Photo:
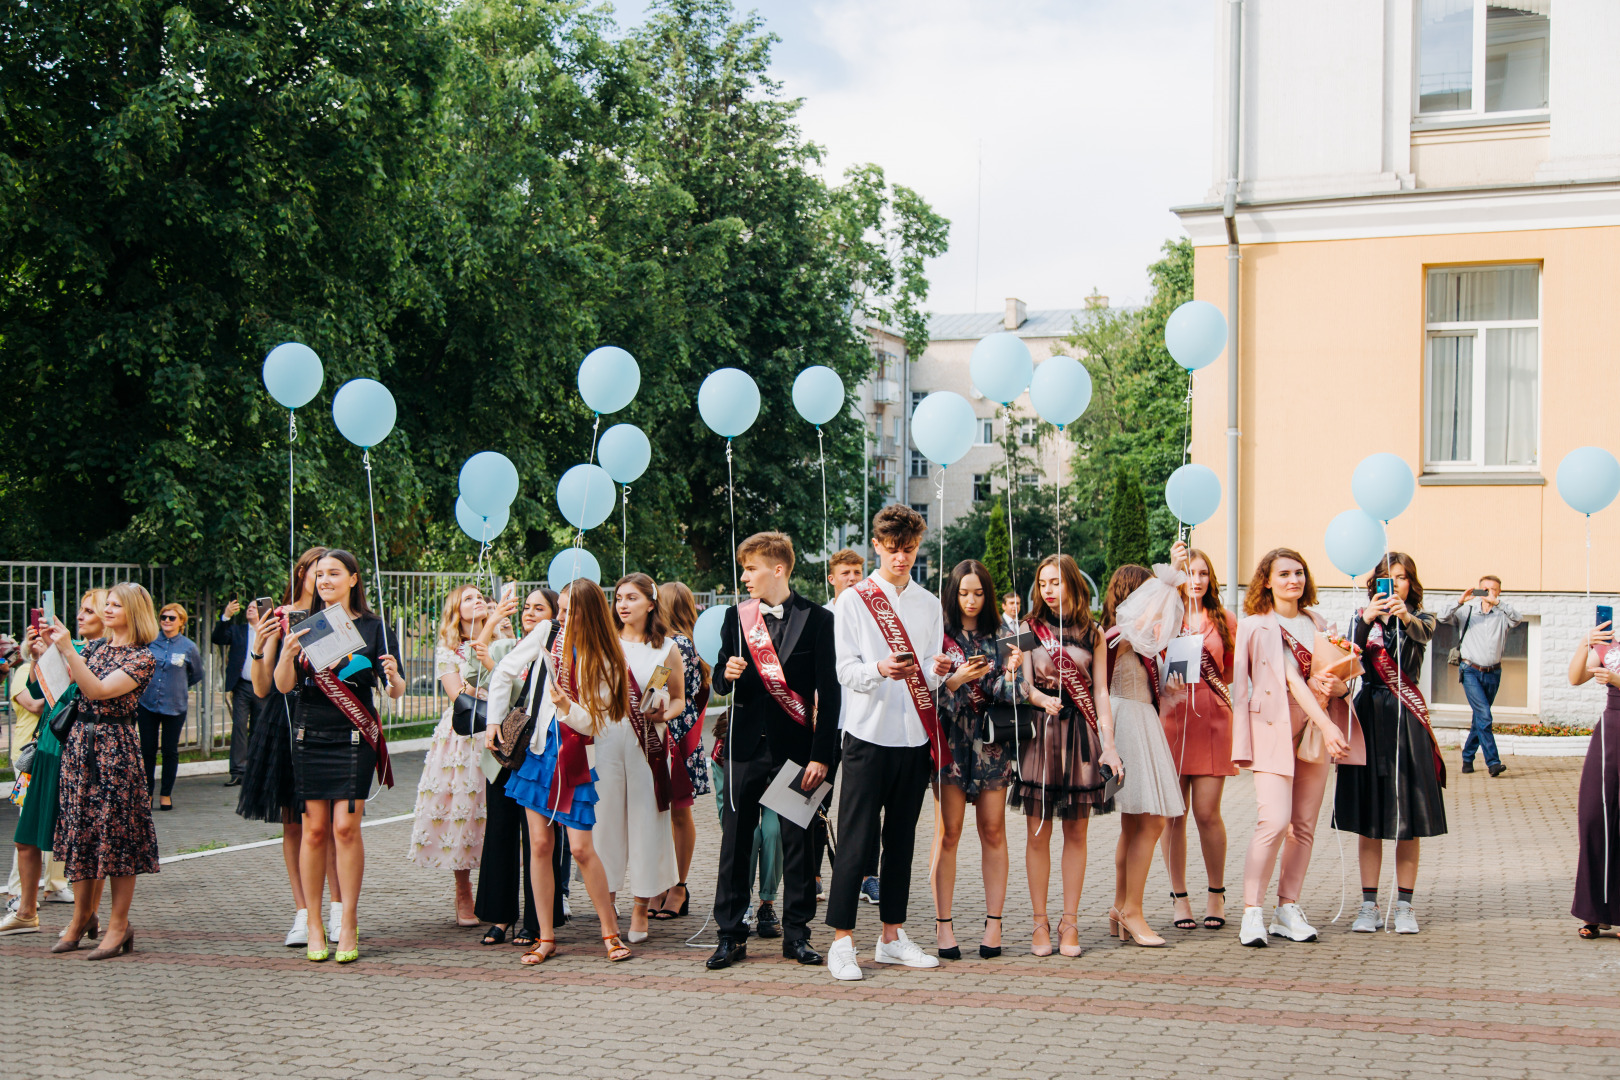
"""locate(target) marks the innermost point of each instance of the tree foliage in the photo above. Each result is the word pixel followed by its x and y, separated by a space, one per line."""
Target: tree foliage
pixel 460 201
pixel 997 556
pixel 1127 522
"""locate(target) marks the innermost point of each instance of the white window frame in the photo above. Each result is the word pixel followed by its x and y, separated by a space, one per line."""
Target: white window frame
pixel 1477 87
pixel 1431 331
pixel 984 431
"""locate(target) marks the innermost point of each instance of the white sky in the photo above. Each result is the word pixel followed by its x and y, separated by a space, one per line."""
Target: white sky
pixel 1094 117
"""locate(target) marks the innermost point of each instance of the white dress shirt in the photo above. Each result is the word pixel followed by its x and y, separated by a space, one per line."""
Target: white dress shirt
pixel 506 675
pixel 875 709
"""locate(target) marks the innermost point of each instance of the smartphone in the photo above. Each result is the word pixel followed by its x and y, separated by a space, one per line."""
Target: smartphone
pixel 1024 642
pixel 1385 587
pixel 296 616
pixel 264 605
pixel 1605 614
pixel 905 658
pixel 47 606
pixel 508 591
pixel 34 615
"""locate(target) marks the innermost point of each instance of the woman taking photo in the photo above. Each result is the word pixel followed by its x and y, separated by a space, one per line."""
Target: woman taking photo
pixel 1060 771
pixel 577 688
pixel 1272 670
pixel 1597 868
pixel 1197 719
pixel 448 833
pixel 36 818
pixel 633 830
pixel 981 762
pixel 504 877
pixel 104 828
pixel 1396 795
pixel 161 711
pixel 337 744
pixel 1141 614
pixel 686 765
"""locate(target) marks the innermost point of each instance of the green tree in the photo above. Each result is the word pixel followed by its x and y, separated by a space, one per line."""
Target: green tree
pixel 997 557
pixel 1127 522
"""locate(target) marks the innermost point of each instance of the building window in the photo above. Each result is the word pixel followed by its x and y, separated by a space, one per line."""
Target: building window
pixel 981 486
pixel 1029 479
pixel 921 508
pixel 1026 432
pixel 1484 367
pixel 987 432
pixel 1514 692
pixel 919 464
pixel 1482 56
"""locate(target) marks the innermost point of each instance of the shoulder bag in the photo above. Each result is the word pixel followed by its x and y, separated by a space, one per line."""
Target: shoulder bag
pixel 470 714
pixel 1454 656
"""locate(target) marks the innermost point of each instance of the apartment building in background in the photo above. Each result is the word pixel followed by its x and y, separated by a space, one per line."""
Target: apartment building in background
pixel 1427 226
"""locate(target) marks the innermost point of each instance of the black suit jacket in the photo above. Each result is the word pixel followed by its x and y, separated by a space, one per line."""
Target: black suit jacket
pixel 232 637
pixel 809 661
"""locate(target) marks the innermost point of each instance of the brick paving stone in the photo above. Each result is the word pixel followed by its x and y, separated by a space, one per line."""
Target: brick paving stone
pixel 1497 985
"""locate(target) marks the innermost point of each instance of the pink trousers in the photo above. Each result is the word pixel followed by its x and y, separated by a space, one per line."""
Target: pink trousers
pixel 1284 801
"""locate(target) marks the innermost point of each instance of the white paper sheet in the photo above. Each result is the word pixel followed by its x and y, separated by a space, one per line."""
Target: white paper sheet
pixel 331 637
pixel 786 801
pixel 53 673
pixel 1182 656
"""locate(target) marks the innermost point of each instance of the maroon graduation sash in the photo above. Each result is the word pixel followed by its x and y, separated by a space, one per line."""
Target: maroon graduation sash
pixel 344 700
pixel 652 747
pixel 1407 694
pixel 959 657
pixel 1212 675
pixel 769 666
pixel 1070 678
pixel 894 635
pixel 573 761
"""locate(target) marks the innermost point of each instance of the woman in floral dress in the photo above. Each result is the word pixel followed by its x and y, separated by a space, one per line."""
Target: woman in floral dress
pixel 448 833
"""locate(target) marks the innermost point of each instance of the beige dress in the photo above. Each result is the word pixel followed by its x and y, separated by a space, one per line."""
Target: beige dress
pixel 1151 784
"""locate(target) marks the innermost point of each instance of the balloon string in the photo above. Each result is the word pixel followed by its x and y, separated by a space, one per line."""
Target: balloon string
pixel 941 488
pixel 624 534
pixel 376 560
pixel 826 543
pixel 1183 532
pixel 731 498
pixel 584 498
pixel 292 559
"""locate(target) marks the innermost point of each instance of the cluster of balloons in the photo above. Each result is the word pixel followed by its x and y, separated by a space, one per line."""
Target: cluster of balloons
pixel 362 409
pixel 488 484
pixel 1356 540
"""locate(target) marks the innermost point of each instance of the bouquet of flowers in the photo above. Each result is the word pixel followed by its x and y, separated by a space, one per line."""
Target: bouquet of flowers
pixel 1335 655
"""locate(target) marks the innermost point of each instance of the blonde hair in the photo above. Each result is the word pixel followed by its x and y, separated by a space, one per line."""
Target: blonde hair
pixel 137 605
pixel 179 611
pixel 450 618
pixel 773 547
pixel 95 598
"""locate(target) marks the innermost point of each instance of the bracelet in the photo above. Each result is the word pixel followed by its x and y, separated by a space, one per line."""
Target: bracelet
pixel 256 655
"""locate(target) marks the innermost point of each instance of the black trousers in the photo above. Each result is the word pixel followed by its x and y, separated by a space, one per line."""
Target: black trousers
pixel 746 781
pixel 246 707
pixel 154 725
pixel 878 802
pixel 504 869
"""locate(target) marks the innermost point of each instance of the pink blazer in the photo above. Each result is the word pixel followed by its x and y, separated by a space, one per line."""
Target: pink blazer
pixel 1262 706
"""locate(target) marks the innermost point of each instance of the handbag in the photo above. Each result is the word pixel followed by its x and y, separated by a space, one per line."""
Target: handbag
pixel 1008 725
pixel 516 727
pixel 23 762
pixel 1454 654
pixel 470 713
pixel 1309 745
pixel 63 720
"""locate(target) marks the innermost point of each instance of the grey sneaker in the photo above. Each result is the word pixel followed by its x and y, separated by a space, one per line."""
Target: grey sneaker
pixel 1366 919
pixel 1405 918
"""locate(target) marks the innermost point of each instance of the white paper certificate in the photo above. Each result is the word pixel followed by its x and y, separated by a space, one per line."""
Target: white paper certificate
pixel 331 637
pixel 1182 657
pixel 782 797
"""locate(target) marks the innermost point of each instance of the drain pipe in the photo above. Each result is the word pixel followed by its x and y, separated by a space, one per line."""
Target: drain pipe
pixel 1234 108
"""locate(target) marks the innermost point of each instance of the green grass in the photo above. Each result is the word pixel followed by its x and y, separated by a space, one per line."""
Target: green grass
pixel 212 845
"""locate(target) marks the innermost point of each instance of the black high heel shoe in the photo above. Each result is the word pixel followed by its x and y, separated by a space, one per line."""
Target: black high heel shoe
pixel 1215 922
pixel 952 953
pixel 686 902
pixel 1189 923
pixel 989 952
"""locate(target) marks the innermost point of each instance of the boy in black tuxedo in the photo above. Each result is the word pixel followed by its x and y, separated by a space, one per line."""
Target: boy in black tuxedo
pixel 777 658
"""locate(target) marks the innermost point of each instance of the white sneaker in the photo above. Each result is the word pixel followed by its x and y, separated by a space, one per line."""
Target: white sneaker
pixel 60 896
pixel 335 923
pixel 1405 918
pixel 1253 931
pixel 1366 919
pixel 1289 922
pixel 842 960
pixel 299 934
pixel 902 950
pixel 567 914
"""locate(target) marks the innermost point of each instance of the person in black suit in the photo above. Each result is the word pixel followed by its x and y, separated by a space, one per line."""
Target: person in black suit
pixel 237 639
pixel 764 735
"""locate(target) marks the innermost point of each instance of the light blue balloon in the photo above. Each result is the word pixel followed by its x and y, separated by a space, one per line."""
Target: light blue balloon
pixel 1195 334
pixel 818 394
pixel 1193 494
pixel 293 374
pixel 489 483
pixel 1001 367
pixel 728 401
pixel 476 525
pixel 586 496
pixel 624 452
pixel 608 379
pixel 1589 479
pixel 1383 485
pixel 571 564
pixel 1355 542
pixel 364 412
pixel 1060 390
pixel 942 427
pixel 706 633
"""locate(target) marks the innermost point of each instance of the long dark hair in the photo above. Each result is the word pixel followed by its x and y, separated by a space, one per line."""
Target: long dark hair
pixel 951 601
pixel 357 595
pixel 1126 580
pixel 657 630
pixel 296 585
pixel 1074 591
pixel 1414 587
pixel 591 641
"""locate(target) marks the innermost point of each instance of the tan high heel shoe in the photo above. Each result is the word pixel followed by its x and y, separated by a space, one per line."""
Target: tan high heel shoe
pixel 1113 923
pixel 1066 923
pixel 1043 925
pixel 1149 940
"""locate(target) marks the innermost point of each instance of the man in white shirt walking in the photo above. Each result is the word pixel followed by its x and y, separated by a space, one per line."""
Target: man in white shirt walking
pixel 888 632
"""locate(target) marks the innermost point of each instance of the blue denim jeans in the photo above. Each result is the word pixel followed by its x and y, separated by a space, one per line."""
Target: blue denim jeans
pixel 1480 686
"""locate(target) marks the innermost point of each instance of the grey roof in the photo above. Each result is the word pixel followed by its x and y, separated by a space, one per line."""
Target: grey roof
pixel 1055 322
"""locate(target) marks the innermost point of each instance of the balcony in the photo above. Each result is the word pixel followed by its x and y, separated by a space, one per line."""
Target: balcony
pixel 885 391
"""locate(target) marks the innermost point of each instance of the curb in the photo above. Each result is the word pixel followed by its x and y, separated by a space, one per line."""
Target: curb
pixel 221 765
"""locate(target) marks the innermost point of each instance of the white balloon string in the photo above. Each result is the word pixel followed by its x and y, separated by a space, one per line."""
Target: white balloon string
pixel 731 499
pixel 584 498
pixel 826 541
pixel 940 487
pixel 292 559
pixel 376 561
pixel 624 534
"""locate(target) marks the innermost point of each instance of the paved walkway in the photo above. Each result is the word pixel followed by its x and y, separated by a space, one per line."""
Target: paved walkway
pixel 1497 985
